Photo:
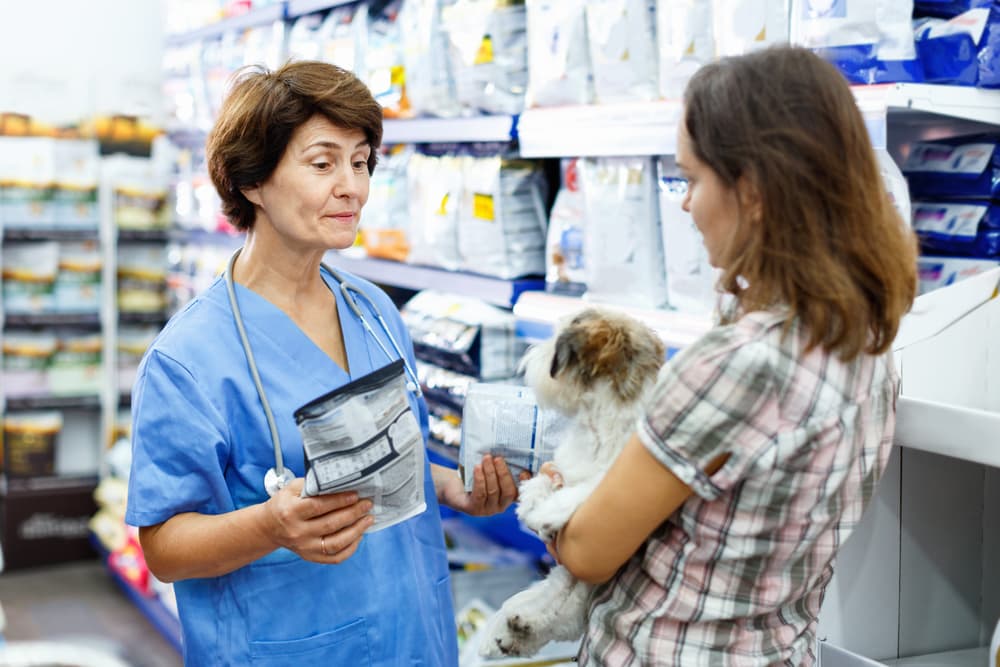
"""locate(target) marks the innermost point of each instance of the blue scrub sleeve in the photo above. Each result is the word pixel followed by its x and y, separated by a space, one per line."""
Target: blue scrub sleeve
pixel 179 446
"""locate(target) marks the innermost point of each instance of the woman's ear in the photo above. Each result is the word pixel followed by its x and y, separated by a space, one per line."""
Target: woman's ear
pixel 751 202
pixel 252 194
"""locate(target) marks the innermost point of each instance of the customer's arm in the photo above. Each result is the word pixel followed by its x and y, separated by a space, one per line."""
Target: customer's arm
pixel 323 529
pixel 637 495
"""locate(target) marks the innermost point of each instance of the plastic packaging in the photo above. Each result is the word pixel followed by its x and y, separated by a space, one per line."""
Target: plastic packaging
pixel 684 40
pixel 558 62
pixel 970 229
pixel 622 39
pixel 967 166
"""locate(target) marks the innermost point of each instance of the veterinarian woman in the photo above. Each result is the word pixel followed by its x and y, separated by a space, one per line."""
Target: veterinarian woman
pixel 714 533
pixel 285 580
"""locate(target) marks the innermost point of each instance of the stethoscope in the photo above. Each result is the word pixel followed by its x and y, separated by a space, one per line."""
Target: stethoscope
pixel 278 476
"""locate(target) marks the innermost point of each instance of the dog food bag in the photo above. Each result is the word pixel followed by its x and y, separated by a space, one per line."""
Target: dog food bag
pixel 558 62
pixel 622 39
pixel 684 42
pixel 505 420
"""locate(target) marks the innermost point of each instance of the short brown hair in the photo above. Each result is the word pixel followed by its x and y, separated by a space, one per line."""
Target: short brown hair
pixel 829 243
pixel 262 111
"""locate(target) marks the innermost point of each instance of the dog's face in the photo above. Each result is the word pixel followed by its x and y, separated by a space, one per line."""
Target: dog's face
pixel 597 349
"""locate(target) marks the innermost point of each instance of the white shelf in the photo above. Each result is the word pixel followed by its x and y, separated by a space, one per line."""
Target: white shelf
pixel 538 312
pixel 256 17
pixel 496 291
pixel 650 128
pixel 635 128
pixel 973 657
pixel 432 130
pixel 300 7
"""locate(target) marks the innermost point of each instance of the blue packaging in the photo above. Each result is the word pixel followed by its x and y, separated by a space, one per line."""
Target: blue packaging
pixel 968 229
pixel 963 167
pixel 964 51
pixel 947 8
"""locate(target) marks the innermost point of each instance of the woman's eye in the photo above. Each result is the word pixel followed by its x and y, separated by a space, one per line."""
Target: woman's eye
pixel 361 164
pixel 321 165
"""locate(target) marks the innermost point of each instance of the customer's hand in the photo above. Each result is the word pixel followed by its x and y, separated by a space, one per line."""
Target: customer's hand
pixel 493 490
pixel 322 529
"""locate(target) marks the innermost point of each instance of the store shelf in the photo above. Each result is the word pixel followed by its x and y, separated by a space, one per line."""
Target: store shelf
pixel 52 320
pixel 538 312
pixel 913 101
pixel 635 128
pixel 444 130
pixel 164 620
pixel 51 482
pixel 53 402
pixel 496 291
pixel 256 17
pixel 49 234
pixel 300 7
pixel 143 235
pixel 973 657
pixel 143 318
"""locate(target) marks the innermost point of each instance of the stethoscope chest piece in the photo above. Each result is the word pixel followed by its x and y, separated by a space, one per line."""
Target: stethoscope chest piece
pixel 273 482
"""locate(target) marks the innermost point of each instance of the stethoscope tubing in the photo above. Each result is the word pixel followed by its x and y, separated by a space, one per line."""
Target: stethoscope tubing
pixel 350 292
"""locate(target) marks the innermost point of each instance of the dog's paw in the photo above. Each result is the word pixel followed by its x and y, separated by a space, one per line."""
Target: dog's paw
pixel 512 635
pixel 532 494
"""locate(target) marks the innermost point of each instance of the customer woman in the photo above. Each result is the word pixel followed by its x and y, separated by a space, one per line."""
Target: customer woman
pixel 715 532
pixel 285 580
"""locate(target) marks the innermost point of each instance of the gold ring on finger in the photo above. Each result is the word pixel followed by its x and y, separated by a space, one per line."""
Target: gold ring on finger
pixel 322 545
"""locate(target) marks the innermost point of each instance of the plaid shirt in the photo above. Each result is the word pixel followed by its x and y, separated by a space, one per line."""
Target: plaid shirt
pixel 737 574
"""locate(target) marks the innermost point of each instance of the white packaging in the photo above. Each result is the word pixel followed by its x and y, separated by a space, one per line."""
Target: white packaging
pixel 819 24
pixel 742 26
pixel 463 334
pixel 75 175
pixel 895 184
pixel 623 244
pixel 937 272
pixel 558 59
pixel 385 222
pixel 691 280
pixel 430 85
pixel 488 47
pixel 505 420
pixel 78 284
pixel 27 172
pixel 684 42
pixel 622 39
pixel 435 190
pixel 565 261
pixel 501 218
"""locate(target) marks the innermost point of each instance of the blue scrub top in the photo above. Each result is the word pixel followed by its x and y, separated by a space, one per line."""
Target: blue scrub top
pixel 201 444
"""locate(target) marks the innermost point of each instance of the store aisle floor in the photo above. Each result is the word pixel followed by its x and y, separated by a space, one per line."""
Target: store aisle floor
pixel 80 602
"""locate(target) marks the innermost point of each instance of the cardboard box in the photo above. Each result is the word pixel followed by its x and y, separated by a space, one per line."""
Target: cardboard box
pixel 46 522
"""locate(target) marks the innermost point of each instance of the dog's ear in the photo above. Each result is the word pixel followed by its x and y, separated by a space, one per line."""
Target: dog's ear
pixel 566 350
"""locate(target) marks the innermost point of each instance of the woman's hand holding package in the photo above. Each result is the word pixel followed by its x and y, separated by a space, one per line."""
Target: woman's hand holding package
pixel 493 491
pixel 323 529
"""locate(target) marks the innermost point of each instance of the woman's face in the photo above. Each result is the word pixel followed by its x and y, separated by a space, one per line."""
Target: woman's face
pixel 315 195
pixel 714 206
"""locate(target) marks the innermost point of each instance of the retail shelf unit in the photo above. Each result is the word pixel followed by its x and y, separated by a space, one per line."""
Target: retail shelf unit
pixel 915 584
pixel 78 444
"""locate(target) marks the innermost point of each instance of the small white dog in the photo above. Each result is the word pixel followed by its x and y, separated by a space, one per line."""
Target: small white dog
pixel 597 370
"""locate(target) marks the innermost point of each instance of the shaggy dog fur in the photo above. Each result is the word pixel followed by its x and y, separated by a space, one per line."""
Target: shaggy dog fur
pixel 597 370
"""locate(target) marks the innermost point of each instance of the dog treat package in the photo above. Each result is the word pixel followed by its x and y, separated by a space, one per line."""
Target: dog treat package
pixel 622 39
pixel 565 263
pixel 463 334
pixel 684 42
pixel 558 62
pixel 505 420
pixel 622 238
pixel 501 217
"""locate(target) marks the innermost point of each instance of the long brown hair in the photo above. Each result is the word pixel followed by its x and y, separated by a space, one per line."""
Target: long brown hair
pixel 262 111
pixel 828 243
